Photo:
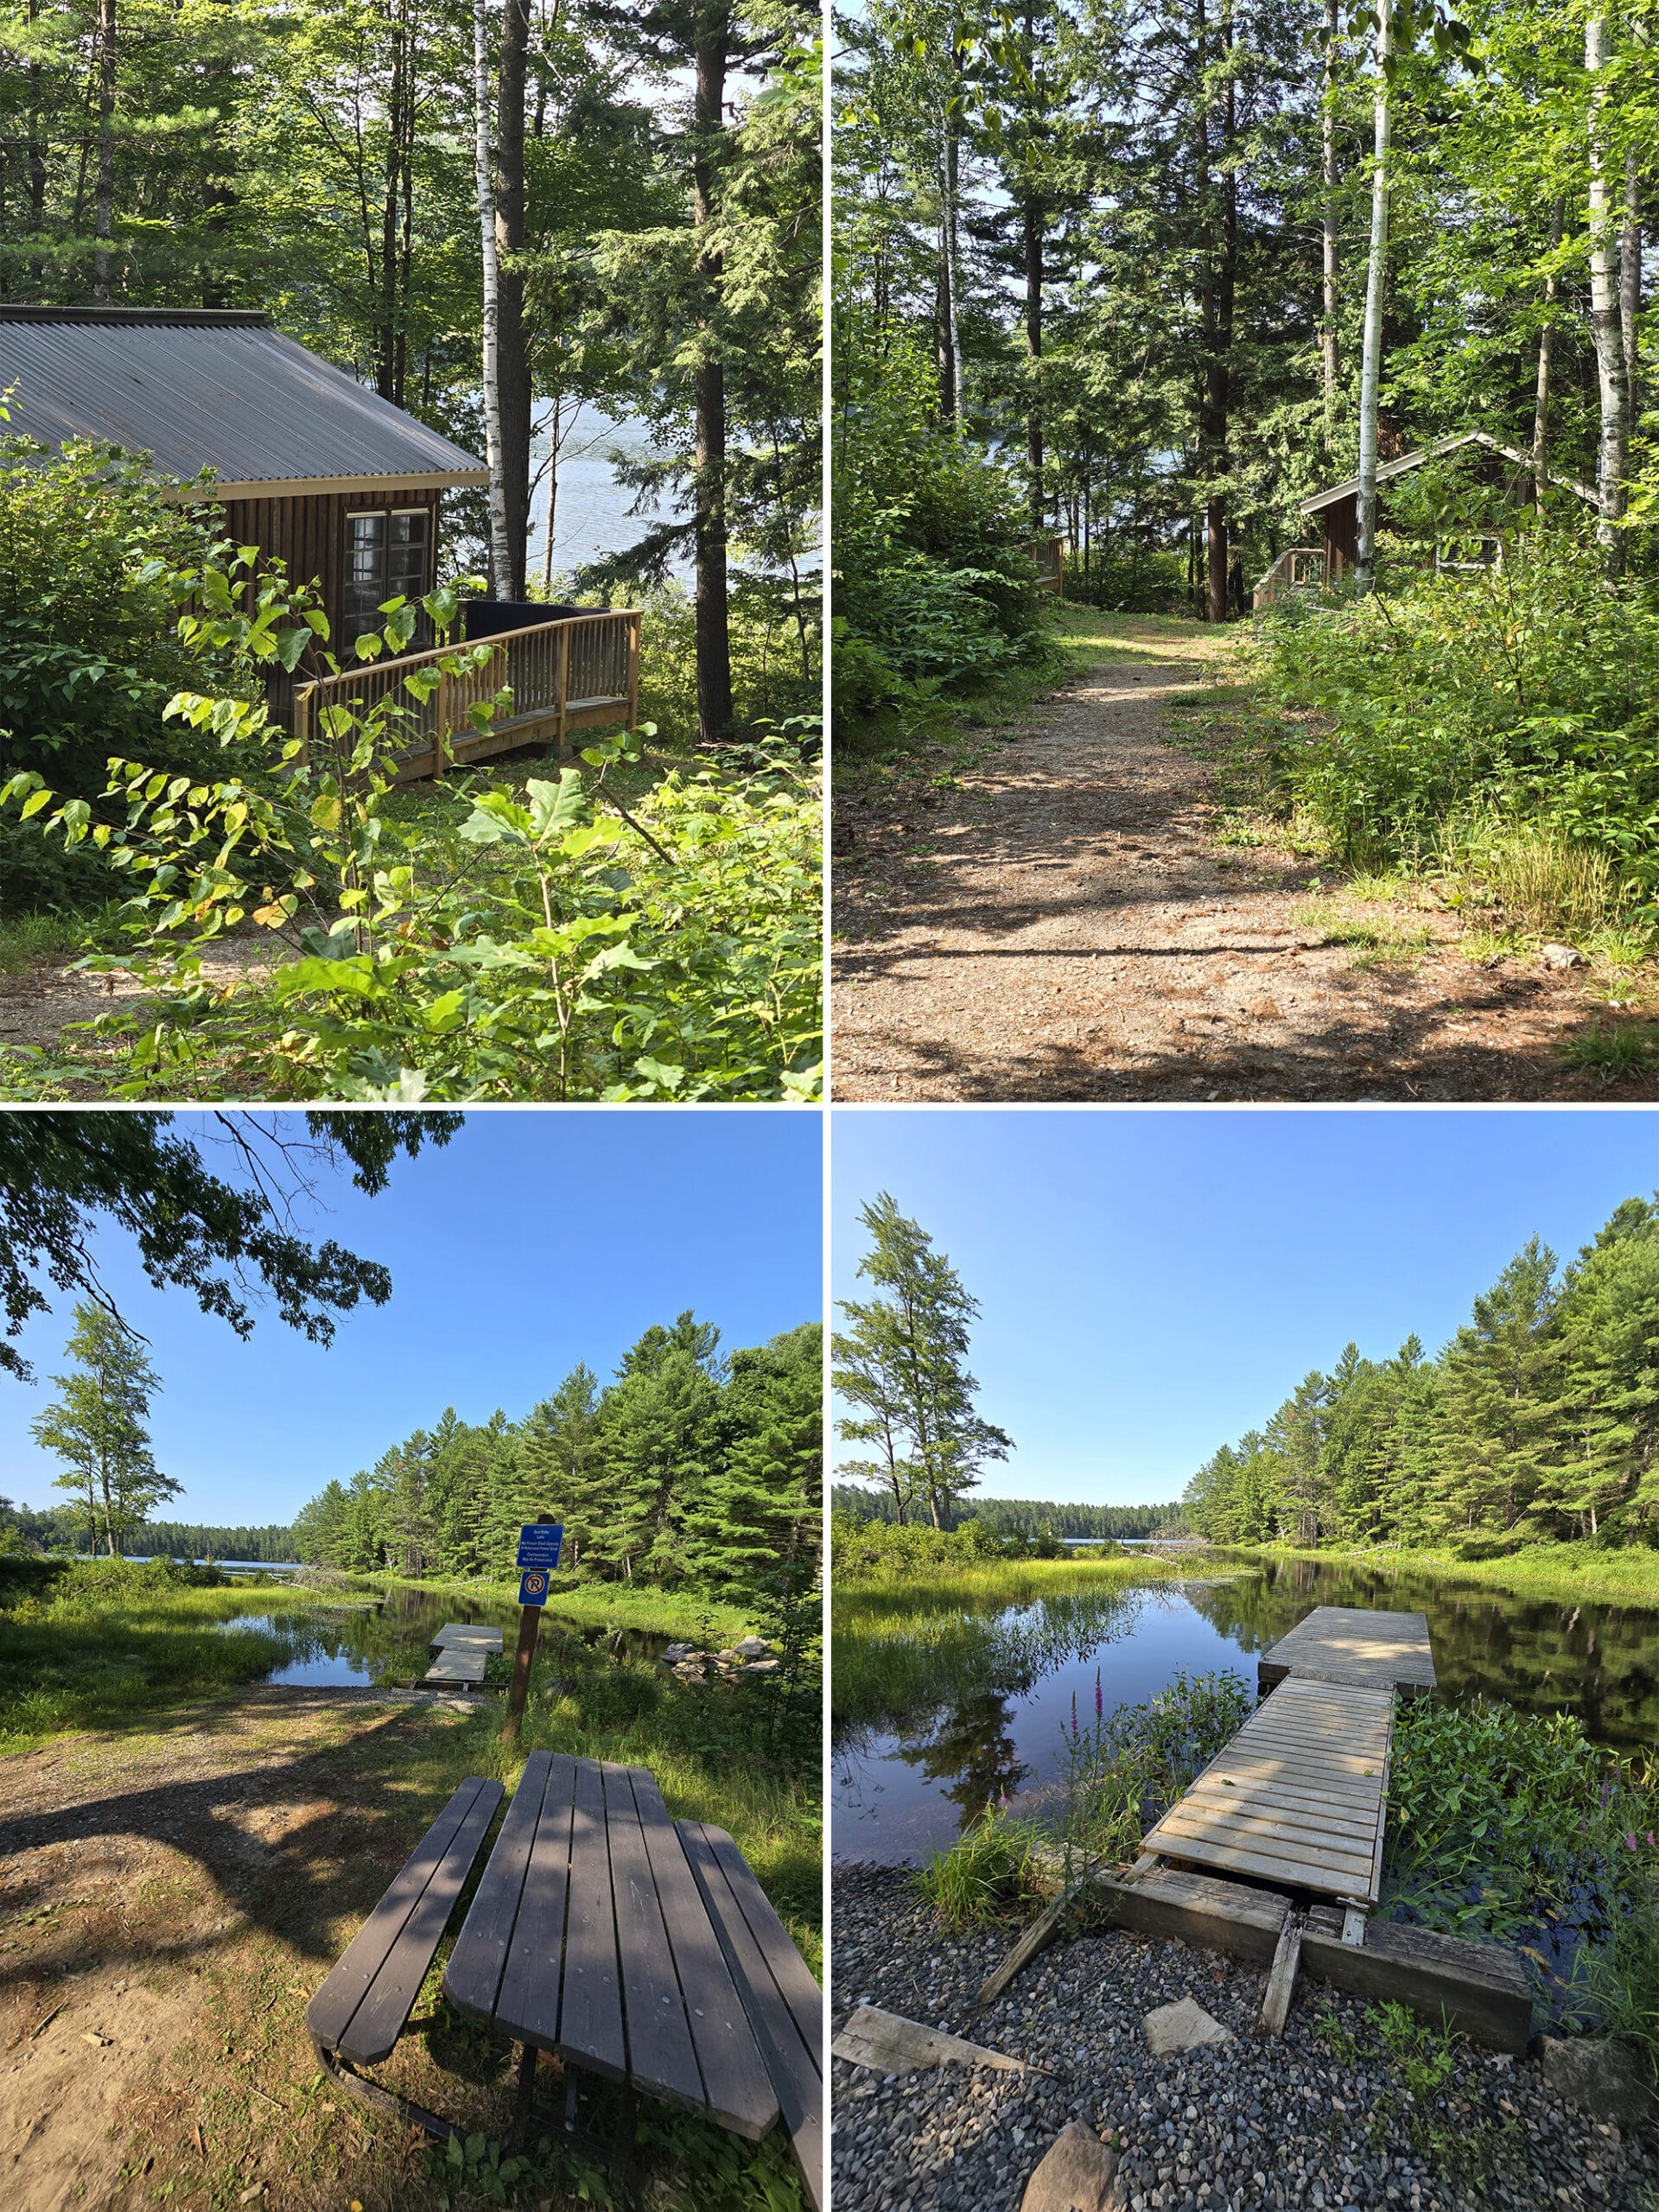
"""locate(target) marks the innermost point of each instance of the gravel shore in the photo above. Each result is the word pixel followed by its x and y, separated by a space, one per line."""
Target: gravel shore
pixel 1250 2126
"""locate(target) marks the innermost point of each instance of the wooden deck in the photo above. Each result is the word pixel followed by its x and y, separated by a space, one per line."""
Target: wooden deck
pixel 456 1665
pixel 1353 1646
pixel 1297 1797
pixel 461 1636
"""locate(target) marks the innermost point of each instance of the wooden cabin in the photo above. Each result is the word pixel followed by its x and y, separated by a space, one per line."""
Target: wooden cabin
pixel 319 471
pixel 312 467
pixel 1335 514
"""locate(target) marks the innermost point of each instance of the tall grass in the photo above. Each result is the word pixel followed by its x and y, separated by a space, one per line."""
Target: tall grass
pixel 1581 1571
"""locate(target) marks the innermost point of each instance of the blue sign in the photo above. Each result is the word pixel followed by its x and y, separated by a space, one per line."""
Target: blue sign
pixel 539 1543
pixel 532 1587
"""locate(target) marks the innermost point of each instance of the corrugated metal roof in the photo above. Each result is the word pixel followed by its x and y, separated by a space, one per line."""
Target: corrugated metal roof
pixel 220 390
pixel 1407 462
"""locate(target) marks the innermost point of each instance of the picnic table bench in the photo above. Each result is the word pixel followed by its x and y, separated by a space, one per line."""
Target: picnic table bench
pixel 635 1950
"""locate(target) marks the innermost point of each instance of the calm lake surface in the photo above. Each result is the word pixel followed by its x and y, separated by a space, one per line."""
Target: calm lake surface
pixel 388 1644
pixel 937 1709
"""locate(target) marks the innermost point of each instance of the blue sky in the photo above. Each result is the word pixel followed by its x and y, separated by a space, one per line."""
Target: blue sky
pixel 533 1241
pixel 1153 1283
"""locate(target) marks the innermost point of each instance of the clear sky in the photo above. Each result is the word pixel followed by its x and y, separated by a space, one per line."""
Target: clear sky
pixel 1153 1283
pixel 533 1241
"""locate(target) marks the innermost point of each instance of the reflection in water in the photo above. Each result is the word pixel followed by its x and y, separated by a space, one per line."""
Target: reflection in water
pixel 938 1709
pixel 389 1642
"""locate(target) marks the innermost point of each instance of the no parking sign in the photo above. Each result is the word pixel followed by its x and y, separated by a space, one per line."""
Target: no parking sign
pixel 532 1587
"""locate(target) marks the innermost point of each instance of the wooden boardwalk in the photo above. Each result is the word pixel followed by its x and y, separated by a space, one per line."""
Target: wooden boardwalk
pixel 1298 1796
pixel 1352 1645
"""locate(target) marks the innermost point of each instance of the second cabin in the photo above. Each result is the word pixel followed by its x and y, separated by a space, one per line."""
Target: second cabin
pixel 1334 514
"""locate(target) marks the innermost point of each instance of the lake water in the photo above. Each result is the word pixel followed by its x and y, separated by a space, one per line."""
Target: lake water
pixel 939 1708
pixel 377 1645
pixel 591 515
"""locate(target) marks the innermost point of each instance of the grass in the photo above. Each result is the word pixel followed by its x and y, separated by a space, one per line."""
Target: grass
pixel 700 1619
pixel 27 940
pixel 1615 1053
pixel 77 1658
pixel 1008 1582
pixel 990 1867
pixel 1570 1572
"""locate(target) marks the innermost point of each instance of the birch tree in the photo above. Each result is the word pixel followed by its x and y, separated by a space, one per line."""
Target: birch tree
pixel 1371 374
pixel 1611 377
pixel 483 170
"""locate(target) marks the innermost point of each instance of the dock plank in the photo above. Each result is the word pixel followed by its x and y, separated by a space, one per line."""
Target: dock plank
pixel 1297 1797
pixel 454 1666
pixel 1354 1646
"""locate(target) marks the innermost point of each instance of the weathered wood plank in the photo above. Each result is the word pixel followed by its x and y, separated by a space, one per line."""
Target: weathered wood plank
pixel 1229 1917
pixel 330 2009
pixel 456 1666
pixel 1282 1978
pixel 590 2020
pixel 458 1632
pixel 661 2058
pixel 1356 1645
pixel 1297 1873
pixel 1479 1989
pixel 889 2044
pixel 472 1980
pixel 735 2081
pixel 532 1979
pixel 379 2020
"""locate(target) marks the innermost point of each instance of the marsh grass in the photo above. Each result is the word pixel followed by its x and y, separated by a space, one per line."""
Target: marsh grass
pixel 96 1648
pixel 1573 1572
pixel 609 1605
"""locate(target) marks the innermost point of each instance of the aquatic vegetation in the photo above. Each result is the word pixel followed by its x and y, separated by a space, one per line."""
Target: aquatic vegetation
pixel 1514 1827
pixel 1124 1769
pixel 995 1863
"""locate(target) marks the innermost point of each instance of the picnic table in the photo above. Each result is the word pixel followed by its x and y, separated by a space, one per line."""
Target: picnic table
pixel 635 1950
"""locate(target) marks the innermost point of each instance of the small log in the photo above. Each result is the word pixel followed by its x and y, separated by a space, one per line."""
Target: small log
pixel 1282 1978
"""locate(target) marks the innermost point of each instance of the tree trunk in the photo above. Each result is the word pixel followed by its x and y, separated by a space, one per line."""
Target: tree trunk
pixel 1328 174
pixel 103 206
pixel 1217 286
pixel 385 337
pixel 501 563
pixel 713 626
pixel 1604 309
pixel 36 154
pixel 1033 245
pixel 1630 289
pixel 552 497
pixel 512 356
pixel 1546 348
pixel 1370 374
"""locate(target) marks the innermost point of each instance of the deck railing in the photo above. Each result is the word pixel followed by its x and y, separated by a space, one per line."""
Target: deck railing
pixel 573 672
pixel 1300 568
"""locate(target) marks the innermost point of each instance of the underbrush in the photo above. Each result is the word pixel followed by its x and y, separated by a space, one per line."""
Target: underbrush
pixel 710 1622
pixel 1498 729
pixel 1516 1828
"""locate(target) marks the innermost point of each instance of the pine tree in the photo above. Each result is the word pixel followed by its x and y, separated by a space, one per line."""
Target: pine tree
pixel 98 1427
pixel 562 1468
pixel 760 1505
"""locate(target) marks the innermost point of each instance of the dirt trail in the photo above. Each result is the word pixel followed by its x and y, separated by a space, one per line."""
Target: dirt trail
pixel 133 1870
pixel 1063 923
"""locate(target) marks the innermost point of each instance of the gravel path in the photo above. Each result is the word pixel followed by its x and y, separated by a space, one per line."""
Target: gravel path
pixel 1061 923
pixel 1251 2126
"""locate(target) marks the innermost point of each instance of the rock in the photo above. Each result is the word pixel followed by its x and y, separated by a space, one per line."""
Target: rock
pixel 1078 2174
pixel 1561 956
pixel 752 1647
pixel 763 1667
pixel 1600 2076
pixel 674 1652
pixel 1179 2027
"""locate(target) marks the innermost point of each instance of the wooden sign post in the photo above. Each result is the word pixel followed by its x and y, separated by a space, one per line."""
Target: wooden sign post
pixel 539 1554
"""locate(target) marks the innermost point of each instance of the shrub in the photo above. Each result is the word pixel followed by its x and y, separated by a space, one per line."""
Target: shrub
pixel 1509 717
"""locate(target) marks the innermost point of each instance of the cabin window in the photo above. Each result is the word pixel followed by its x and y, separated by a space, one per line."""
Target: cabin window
pixel 387 556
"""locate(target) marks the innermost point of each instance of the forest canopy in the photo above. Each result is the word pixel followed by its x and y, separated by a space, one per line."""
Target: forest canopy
pixel 690 1467
pixel 1540 1418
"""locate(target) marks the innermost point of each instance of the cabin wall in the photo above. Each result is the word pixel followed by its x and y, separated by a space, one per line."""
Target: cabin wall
pixel 1341 521
pixel 308 531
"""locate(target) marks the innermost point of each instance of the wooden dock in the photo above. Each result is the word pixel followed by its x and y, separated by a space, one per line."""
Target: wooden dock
pixel 1297 1797
pixel 1353 1646
pixel 458 1636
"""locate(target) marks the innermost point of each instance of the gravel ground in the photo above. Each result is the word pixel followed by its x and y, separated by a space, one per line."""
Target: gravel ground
pixel 1062 923
pixel 1252 2125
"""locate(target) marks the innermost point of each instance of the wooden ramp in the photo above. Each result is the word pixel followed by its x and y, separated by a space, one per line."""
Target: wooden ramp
pixel 1296 1798
pixel 456 1666
pixel 1352 1644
